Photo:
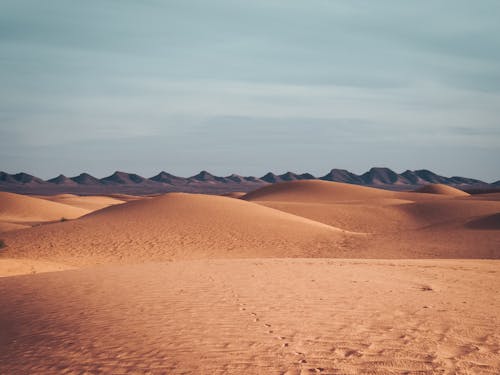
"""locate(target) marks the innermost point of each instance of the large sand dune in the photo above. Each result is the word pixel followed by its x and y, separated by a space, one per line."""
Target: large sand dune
pixel 178 225
pixel 315 191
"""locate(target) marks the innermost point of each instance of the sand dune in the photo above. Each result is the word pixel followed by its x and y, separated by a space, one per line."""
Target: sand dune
pixel 5 226
pixel 487 222
pixel 400 224
pixel 256 316
pixel 21 208
pixel 174 226
pixel 442 189
pixel 315 191
pixel 91 203
pixel 234 194
pixel 18 211
pixel 486 197
pixel 127 197
pixel 371 216
pixel 261 315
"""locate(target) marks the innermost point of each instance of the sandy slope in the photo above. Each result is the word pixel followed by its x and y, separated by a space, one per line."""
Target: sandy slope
pixel 91 203
pixel 316 191
pixel 255 317
pixel 442 189
pixel 20 211
pixel 177 226
pixel 401 224
pixel 6 226
pixel 234 194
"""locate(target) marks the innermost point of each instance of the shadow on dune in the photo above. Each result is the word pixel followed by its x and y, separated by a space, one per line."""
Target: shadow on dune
pixel 490 222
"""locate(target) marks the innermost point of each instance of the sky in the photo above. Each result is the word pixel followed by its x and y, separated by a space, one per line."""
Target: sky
pixel 249 86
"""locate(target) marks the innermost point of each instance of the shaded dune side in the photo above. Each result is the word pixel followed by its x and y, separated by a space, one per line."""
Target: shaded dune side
pixel 18 208
pixel 177 226
pixel 316 191
pixel 488 222
pixel 406 225
pixel 365 217
pixel 442 189
pixel 234 194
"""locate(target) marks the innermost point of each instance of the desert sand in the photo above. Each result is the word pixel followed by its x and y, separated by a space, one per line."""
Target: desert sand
pixel 296 277
pixel 91 203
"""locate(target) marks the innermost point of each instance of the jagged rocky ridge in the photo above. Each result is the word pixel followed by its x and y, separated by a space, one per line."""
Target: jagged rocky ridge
pixel 205 182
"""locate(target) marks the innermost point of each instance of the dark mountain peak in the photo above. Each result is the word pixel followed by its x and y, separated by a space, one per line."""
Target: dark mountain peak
pixel 381 170
pixel 342 175
pixel 85 179
pixel 306 176
pixel 235 178
pixel 167 178
pixel 464 181
pixel 270 177
pixel 7 178
pixel 380 175
pixel 205 176
pixel 252 179
pixel 289 176
pixel 429 176
pixel 123 178
pixel 60 180
pixel 26 178
pixel 412 177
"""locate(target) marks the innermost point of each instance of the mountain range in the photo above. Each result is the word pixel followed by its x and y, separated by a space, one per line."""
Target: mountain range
pixel 205 182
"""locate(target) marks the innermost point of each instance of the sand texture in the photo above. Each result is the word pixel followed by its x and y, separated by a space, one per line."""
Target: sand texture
pixel 294 278
pixel 255 317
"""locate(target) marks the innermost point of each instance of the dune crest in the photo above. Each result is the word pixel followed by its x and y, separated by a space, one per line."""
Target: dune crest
pixel 316 191
pixel 91 202
pixel 442 189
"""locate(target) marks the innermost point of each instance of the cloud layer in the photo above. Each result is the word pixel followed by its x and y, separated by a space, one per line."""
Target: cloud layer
pixel 249 86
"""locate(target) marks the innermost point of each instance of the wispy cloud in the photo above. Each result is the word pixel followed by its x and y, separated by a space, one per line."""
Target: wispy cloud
pixel 352 81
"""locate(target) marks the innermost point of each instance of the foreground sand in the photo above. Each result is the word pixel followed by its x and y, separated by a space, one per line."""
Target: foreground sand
pixel 249 316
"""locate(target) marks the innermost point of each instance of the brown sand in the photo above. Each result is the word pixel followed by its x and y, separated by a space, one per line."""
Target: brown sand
pixel 176 226
pixel 316 190
pixel 91 203
pixel 255 317
pixel 442 189
pixel 234 194
pixel 181 310
pixel 21 211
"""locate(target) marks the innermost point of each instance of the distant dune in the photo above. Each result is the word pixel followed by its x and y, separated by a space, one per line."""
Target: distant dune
pixel 442 189
pixel 315 191
pixel 90 203
pixel 21 209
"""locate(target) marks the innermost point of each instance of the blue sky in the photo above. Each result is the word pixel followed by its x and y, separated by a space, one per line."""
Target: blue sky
pixel 249 86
